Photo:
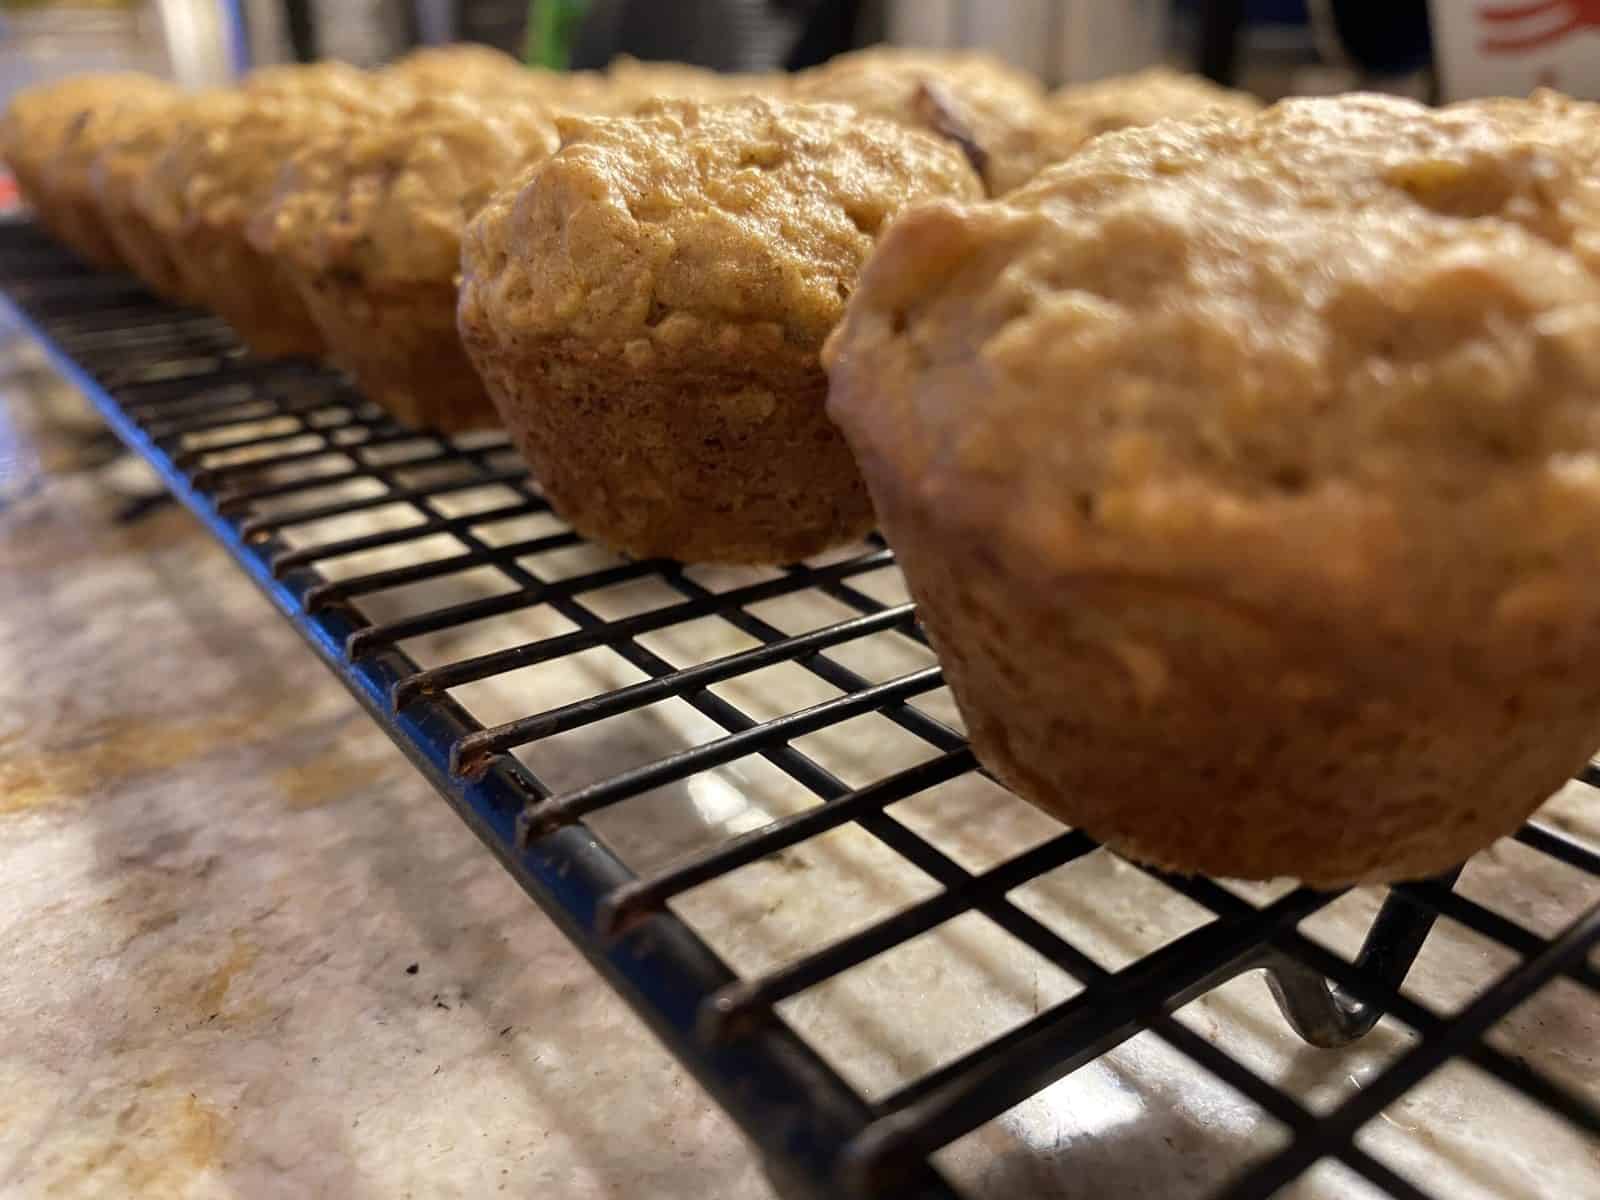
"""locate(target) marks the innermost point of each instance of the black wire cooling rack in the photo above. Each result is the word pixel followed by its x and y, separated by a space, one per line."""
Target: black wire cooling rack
pixel 274 456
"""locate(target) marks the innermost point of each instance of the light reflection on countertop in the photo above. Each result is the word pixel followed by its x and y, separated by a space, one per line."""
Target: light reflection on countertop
pixel 249 952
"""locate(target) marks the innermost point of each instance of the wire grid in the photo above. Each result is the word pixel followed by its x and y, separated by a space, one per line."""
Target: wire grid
pixel 223 430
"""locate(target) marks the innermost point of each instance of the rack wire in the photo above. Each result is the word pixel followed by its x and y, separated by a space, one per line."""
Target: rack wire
pixel 273 457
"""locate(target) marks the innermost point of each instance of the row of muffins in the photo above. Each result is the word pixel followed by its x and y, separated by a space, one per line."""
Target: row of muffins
pixel 321 211
pixel 1245 468
pixel 1242 466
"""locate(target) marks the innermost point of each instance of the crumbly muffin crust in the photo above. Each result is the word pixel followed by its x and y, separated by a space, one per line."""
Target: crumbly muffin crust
pixel 485 72
pixel 1248 475
pixel 631 84
pixel 368 223
pixel 332 83
pixel 1145 97
pixel 647 308
pixel 49 136
pixel 1074 115
pixel 458 67
pixel 117 174
pixel 692 218
pixel 625 85
pixel 203 189
pixel 986 106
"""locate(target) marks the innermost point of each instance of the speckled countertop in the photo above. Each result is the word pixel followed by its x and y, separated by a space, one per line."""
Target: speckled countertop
pixel 247 953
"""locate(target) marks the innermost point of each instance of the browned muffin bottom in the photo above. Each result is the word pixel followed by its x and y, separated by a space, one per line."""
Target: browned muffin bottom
pixel 400 343
pixel 729 465
pixel 368 224
pixel 978 101
pixel 1247 477
pixel 646 308
pixel 205 186
pixel 48 137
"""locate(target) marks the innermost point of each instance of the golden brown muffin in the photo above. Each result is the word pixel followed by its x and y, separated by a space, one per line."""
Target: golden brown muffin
pixel 49 137
pixel 1247 474
pixel 977 100
pixel 71 176
pixel 1145 97
pixel 204 188
pixel 1548 117
pixel 458 67
pixel 647 307
pixel 331 82
pixel 486 72
pixel 116 176
pixel 622 87
pixel 1073 115
pixel 368 225
pixel 631 85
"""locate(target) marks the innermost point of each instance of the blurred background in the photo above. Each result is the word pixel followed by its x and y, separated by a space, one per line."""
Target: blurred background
pixel 1429 48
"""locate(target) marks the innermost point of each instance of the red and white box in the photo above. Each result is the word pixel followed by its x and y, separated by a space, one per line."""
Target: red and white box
pixel 1510 47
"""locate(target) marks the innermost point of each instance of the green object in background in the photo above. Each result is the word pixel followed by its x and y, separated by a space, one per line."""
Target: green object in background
pixel 552 25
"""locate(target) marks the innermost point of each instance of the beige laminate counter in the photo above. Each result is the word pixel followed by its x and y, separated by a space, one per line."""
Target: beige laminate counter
pixel 215 874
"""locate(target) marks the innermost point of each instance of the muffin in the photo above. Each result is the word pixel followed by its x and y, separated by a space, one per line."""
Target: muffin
pixel 368 225
pixel 201 192
pixel 647 306
pixel 1546 116
pixel 1145 97
pixel 976 100
pixel 334 83
pixel 1247 476
pixel 464 66
pixel 70 172
pixel 118 170
pixel 49 137
pixel 485 72
pixel 1073 115
pixel 630 84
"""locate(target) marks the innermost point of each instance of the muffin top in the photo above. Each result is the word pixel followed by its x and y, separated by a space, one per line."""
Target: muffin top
pixel 489 73
pixel 225 149
pixel 735 224
pixel 140 135
pixel 42 122
pixel 388 199
pixel 105 124
pixel 1143 98
pixel 974 99
pixel 631 84
pixel 625 85
pixel 334 83
pixel 1071 116
pixel 1351 341
pixel 455 67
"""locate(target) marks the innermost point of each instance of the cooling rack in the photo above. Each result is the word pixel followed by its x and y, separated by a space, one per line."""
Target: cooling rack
pixel 334 510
